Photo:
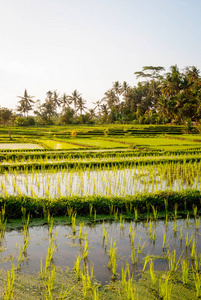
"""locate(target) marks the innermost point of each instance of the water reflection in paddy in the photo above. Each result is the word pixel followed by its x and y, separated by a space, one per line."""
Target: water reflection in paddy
pixel 68 247
pixel 108 181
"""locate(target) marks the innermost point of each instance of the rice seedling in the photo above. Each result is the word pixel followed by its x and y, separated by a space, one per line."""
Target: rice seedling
pixel 155 214
pixel 113 258
pixel 86 280
pixel 187 219
pixel 122 221
pixel 136 213
pixel 76 268
pixel 3 222
pixel 85 247
pixel 73 223
pixel 48 282
pixel 81 231
pixel 188 242
pixel 175 225
pixel 165 288
pixel 175 210
pixel 9 283
pixel 130 228
pixel 185 271
pixel 173 265
pixel 152 274
pixel 129 292
pixel 197 281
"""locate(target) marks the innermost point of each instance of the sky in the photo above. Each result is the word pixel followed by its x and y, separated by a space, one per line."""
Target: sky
pixel 87 45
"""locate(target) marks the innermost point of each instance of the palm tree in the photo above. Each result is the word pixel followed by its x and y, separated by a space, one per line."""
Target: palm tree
pixel 56 99
pixel 111 98
pixel 153 75
pixel 65 101
pixel 81 104
pixel 98 106
pixel 26 103
pixel 74 98
pixel 117 88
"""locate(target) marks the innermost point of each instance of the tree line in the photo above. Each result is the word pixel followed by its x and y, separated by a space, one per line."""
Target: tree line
pixel 159 98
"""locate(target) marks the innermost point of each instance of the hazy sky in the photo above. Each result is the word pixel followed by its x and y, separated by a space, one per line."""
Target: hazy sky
pixel 86 45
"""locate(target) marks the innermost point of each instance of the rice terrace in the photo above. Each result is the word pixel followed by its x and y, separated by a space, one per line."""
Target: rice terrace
pixel 100 212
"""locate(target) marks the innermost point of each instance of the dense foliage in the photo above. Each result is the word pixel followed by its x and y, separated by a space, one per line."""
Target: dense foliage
pixel 172 97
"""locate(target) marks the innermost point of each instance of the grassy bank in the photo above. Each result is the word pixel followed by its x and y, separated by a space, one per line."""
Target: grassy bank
pixel 162 201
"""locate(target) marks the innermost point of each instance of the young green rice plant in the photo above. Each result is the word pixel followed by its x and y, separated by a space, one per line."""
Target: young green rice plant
pixel 136 213
pixel 3 222
pixel 146 261
pixel 130 228
pixel 90 209
pixel 152 274
pixel 86 280
pixel 122 221
pixel 129 292
pixel 197 262
pixel 165 288
pixel 185 270
pixel 76 268
pixel 165 245
pixel 49 256
pixel 195 210
pixel 96 295
pixel 26 235
pixel 197 281
pixel 132 238
pixel 73 223
pixel 111 209
pixel 85 247
pixel 173 265
pixel 81 230
pixel 155 214
pixel 19 258
pixel 104 235
pixel 113 258
pixel 175 225
pixel 48 282
pixel 188 242
pixel 175 210
pixel 187 219
pixel 69 211
pixel 197 223
pixel 193 253
pixel 152 233
pixel 9 283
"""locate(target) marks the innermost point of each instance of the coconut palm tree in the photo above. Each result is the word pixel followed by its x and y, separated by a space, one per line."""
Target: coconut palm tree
pixel 26 103
pixel 74 98
pixel 65 101
pixel 81 104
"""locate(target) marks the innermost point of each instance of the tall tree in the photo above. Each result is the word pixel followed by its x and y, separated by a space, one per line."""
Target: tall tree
pixel 6 115
pixel 81 104
pixel 152 74
pixel 65 101
pixel 74 98
pixel 26 103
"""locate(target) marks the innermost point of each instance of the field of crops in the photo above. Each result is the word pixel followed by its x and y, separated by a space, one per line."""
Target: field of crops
pixel 128 202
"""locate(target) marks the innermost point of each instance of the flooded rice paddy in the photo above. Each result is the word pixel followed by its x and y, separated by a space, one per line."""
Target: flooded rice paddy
pixel 114 181
pixel 133 242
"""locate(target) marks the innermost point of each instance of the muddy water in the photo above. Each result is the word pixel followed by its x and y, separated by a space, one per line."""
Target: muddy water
pixel 69 246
